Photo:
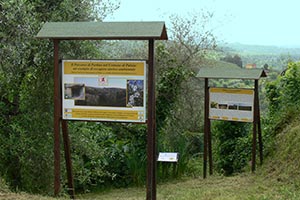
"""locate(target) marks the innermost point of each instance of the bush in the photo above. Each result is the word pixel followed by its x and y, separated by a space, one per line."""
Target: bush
pixel 283 96
pixel 232 146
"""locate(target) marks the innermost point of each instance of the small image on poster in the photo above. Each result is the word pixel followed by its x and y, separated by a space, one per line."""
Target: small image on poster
pixel 103 80
pixel 74 91
pixel 135 93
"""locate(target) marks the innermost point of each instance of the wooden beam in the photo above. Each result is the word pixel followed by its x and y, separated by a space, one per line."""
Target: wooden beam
pixel 255 114
pixel 57 117
pixel 260 142
pixel 206 125
pixel 151 146
pixel 67 151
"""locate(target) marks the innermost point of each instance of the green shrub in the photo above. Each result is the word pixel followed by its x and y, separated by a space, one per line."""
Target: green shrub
pixel 232 146
pixel 283 96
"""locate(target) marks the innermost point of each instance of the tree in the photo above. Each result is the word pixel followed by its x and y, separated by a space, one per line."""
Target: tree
pixel 179 92
pixel 191 38
pixel 266 66
pixel 26 91
pixel 235 59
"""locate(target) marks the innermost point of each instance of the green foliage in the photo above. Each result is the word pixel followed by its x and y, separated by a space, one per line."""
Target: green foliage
pixel 106 154
pixel 179 92
pixel 132 171
pixel 232 146
pixel 290 84
pixel 236 59
pixel 283 100
pixel 283 94
pixel 26 86
pixel 168 90
pixel 90 153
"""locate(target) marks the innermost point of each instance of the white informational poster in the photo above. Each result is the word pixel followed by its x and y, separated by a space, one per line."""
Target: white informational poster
pixel 104 90
pixel 231 104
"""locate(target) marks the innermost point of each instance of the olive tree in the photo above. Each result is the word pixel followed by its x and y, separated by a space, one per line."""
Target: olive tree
pixel 26 84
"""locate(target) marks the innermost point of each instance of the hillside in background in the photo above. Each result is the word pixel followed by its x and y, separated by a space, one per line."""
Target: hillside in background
pixel 275 56
pixel 260 49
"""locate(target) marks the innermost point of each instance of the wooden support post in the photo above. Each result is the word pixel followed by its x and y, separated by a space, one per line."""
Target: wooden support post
pixel 151 143
pixel 255 122
pixel 68 159
pixel 260 143
pixel 206 126
pixel 57 118
pixel 210 160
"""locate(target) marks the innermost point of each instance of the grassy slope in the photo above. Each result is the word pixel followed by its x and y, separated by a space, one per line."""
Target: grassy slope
pixel 278 178
pixel 242 187
pixel 24 196
pixel 284 163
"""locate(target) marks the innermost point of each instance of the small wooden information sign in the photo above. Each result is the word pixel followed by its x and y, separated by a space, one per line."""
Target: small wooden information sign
pixel 167 157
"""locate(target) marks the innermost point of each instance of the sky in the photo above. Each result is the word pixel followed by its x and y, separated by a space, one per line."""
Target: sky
pixel 257 22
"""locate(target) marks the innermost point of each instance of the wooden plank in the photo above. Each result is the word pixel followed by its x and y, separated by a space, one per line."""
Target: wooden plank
pixel 71 189
pixel 206 126
pixel 254 139
pixel 57 116
pixel 151 146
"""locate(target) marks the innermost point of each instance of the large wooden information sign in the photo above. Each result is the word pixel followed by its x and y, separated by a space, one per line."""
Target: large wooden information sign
pixel 103 90
pixel 231 104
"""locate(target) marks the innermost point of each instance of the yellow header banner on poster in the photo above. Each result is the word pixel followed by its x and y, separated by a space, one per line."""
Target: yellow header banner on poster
pixel 105 68
pixel 231 91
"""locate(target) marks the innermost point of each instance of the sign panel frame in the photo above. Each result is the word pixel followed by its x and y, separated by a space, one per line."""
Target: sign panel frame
pixel 231 104
pixel 104 90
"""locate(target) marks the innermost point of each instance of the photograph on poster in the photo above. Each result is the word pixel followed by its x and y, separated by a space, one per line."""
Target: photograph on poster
pixel 74 91
pixel 113 95
pixel 231 106
pixel 135 93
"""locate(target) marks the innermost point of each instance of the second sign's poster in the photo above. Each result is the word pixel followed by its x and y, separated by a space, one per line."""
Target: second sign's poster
pixel 231 104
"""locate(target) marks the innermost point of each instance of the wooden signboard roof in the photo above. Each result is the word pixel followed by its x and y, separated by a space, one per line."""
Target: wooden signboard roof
pixel 220 72
pixel 103 31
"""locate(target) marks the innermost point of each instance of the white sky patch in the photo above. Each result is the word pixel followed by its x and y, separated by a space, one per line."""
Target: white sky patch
pixel 264 22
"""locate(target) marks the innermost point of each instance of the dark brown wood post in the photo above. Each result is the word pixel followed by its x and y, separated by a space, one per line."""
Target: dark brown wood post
pixel 210 160
pixel 206 125
pixel 57 117
pixel 255 114
pixel 260 143
pixel 151 146
pixel 68 159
